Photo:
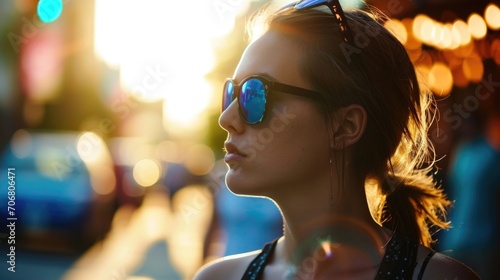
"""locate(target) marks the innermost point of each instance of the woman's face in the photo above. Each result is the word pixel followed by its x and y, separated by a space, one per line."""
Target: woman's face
pixel 289 147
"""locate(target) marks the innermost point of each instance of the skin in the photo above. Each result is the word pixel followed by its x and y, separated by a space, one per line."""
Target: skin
pixel 293 168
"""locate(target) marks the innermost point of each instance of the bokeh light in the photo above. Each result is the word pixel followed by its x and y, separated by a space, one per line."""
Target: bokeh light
pixel 200 159
pixel 460 32
pixel 147 172
pixel 492 16
pixel 90 147
pixel 49 10
pixel 445 37
pixel 473 68
pixel 477 26
pixel 423 28
pixel 440 79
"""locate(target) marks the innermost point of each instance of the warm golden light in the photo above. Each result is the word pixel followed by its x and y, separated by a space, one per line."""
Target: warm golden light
pixel 398 29
pixel 200 160
pixel 477 26
pixel 473 68
pixel 440 79
pixel 108 43
pixel 162 52
pixel 193 208
pixel 90 147
pixel 492 16
pixel 445 38
pixel 435 33
pixel 460 32
pixel 423 28
pixel 184 105
pixel 146 172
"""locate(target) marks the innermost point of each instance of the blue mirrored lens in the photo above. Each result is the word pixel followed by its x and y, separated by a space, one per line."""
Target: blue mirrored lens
pixel 252 100
pixel 309 4
pixel 228 95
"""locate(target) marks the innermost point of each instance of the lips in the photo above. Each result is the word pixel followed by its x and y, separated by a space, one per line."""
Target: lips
pixel 232 152
pixel 232 149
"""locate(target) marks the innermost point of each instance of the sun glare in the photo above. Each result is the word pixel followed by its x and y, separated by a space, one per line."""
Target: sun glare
pixel 163 49
pixel 186 102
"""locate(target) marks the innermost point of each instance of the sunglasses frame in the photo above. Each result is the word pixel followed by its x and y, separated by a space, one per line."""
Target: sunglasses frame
pixel 269 86
pixel 335 8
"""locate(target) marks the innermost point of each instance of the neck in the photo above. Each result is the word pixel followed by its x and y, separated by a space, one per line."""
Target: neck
pixel 343 225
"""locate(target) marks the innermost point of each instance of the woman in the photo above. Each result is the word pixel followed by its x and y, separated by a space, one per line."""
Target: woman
pixel 325 117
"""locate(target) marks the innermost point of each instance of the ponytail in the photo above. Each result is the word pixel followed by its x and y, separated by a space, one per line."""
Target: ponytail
pixel 413 207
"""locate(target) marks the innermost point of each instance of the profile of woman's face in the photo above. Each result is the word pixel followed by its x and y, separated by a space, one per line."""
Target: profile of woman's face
pixel 290 146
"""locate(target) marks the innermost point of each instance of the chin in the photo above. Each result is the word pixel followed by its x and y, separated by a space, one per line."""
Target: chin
pixel 239 185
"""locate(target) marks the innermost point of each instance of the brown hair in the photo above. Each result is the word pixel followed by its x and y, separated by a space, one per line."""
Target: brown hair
pixel 394 153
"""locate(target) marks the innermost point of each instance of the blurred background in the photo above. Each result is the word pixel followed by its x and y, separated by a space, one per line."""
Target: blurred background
pixel 109 116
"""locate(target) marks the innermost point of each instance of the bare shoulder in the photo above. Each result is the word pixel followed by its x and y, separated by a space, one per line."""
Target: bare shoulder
pixel 231 267
pixel 441 266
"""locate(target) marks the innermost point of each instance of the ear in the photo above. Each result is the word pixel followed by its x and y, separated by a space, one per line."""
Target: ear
pixel 349 125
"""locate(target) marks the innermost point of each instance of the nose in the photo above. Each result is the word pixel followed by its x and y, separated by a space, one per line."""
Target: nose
pixel 230 119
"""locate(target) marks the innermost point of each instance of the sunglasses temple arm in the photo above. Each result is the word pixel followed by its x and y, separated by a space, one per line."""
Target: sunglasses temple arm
pixel 341 20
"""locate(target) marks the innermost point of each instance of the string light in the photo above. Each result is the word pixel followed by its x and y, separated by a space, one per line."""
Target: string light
pixel 459 48
pixel 492 16
pixel 477 26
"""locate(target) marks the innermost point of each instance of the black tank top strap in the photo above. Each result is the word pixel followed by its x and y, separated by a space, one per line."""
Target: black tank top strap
pixel 256 267
pixel 424 264
pixel 399 260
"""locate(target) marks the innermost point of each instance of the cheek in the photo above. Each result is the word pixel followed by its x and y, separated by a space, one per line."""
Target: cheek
pixel 302 142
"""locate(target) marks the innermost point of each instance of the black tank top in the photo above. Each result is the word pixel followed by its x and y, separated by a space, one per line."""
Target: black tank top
pixel 398 262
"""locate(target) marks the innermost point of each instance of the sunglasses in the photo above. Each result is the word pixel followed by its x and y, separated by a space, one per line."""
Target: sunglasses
pixel 252 93
pixel 336 9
